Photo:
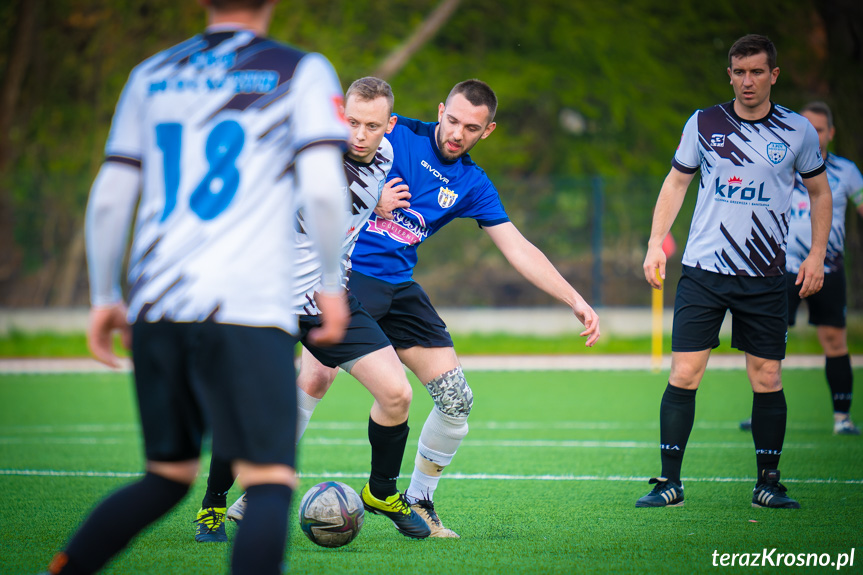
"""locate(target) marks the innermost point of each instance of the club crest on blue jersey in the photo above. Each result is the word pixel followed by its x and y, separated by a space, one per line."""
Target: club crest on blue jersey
pixel 446 197
pixel 776 151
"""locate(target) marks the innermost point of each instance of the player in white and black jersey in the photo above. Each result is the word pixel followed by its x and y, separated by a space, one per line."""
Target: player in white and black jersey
pixel 827 308
pixel 365 352
pixel 749 151
pixel 213 139
pixel 366 176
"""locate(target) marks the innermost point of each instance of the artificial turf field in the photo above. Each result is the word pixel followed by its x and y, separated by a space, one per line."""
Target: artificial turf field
pixel 545 482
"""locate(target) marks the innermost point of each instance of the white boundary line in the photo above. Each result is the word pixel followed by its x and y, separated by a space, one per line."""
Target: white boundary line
pixel 468 444
pixel 456 476
pixel 580 362
pixel 569 443
pixel 362 426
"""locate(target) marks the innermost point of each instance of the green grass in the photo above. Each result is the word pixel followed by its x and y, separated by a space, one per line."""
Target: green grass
pixel 801 340
pixel 21 344
pixel 545 482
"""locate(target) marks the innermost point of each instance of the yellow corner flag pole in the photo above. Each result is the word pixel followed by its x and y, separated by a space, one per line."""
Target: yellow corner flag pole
pixel 668 248
pixel 656 347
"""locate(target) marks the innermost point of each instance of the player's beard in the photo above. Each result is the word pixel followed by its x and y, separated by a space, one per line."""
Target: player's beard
pixel 441 145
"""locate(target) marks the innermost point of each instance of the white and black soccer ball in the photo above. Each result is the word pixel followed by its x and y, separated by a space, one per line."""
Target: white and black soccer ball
pixel 331 514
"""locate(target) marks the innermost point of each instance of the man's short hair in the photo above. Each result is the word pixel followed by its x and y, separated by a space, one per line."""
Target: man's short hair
pixel 819 108
pixel 237 4
pixel 477 93
pixel 753 44
pixel 369 88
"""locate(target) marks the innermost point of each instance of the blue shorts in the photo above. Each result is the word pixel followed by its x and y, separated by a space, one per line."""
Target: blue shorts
pixel 827 307
pixel 758 305
pixel 363 336
pixel 403 311
pixel 237 381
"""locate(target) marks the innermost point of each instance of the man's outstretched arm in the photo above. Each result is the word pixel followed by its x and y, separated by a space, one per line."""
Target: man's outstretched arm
pixel 530 262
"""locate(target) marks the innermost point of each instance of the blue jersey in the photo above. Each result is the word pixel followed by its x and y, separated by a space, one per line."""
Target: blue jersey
pixel 441 190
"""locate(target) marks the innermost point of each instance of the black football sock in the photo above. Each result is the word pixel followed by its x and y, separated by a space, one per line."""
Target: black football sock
pixel 259 546
pixel 388 449
pixel 840 378
pixel 676 415
pixel 769 414
pixel 117 519
pixel 218 483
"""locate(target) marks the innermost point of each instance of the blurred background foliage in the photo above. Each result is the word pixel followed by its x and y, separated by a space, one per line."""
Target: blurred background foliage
pixel 593 97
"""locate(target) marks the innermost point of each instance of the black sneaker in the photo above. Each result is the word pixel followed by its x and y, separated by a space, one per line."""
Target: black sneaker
pixel 665 494
pixel 397 510
pixel 746 425
pixel 770 493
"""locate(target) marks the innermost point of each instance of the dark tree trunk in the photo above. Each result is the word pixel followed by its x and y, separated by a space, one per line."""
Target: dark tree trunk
pixel 10 90
pixel 844 22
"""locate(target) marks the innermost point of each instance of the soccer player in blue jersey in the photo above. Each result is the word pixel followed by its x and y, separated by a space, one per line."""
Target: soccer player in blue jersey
pixel 365 352
pixel 213 139
pixel 432 160
pixel 827 308
pixel 749 151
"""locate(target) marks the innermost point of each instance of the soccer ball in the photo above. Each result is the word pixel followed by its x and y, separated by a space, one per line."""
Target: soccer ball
pixel 331 514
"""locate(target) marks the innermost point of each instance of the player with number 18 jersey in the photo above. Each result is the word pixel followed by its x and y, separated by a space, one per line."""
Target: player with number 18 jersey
pixel 212 140
pixel 224 114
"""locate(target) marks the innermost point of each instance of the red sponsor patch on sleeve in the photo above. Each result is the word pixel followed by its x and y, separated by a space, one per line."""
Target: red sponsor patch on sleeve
pixel 339 104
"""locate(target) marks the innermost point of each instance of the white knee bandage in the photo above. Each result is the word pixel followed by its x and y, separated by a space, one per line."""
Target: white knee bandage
pixel 440 437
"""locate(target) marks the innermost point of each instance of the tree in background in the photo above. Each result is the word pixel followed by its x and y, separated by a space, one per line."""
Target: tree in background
pixel 586 89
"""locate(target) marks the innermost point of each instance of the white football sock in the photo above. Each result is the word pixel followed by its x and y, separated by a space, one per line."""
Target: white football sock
pixel 422 486
pixel 306 405
pixel 439 441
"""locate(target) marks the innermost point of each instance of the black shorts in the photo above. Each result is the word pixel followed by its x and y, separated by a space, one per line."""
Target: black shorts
pixel 759 312
pixel 237 381
pixel 827 307
pixel 403 311
pixel 363 336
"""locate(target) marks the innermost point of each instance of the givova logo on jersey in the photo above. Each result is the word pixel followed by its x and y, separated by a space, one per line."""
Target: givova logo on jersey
pixel 446 197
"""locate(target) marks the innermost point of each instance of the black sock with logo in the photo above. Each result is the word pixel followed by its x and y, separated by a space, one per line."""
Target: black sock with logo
pixel 840 378
pixel 388 449
pixel 676 415
pixel 769 414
